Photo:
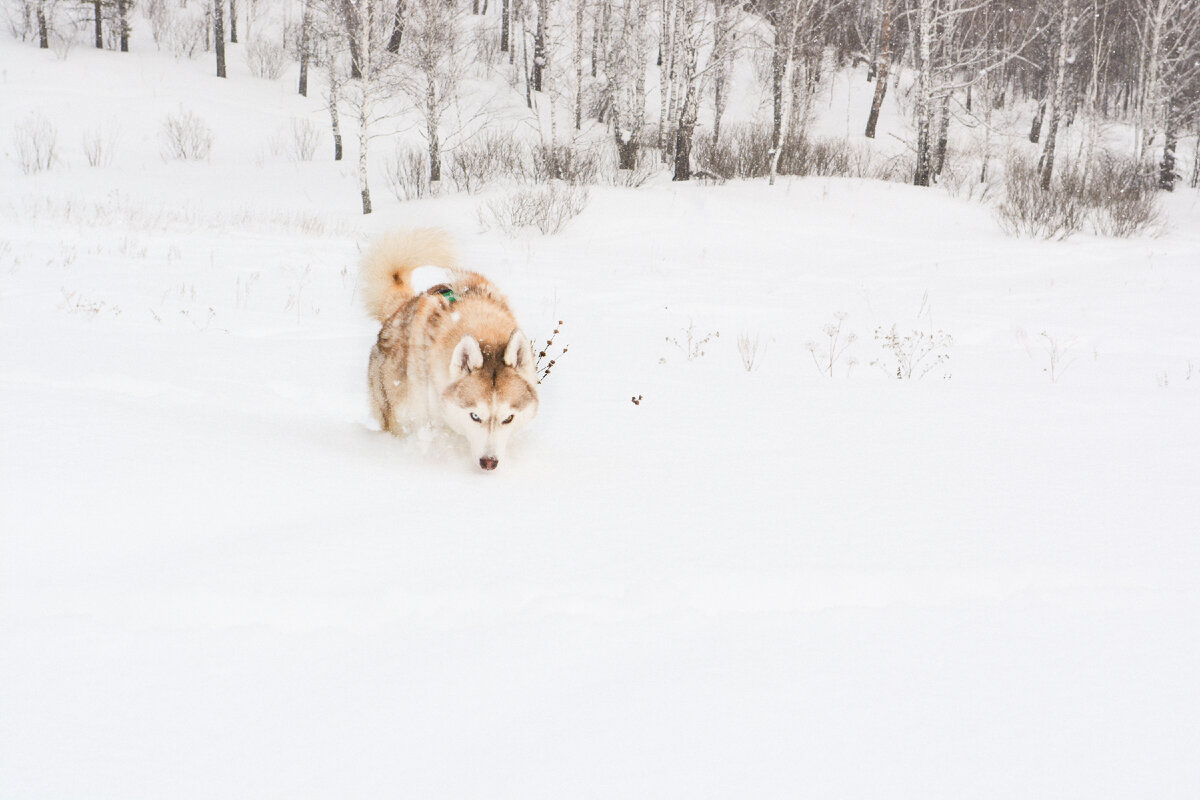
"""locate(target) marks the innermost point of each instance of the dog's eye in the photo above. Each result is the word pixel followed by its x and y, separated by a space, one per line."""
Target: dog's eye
pixel 475 417
pixel 510 419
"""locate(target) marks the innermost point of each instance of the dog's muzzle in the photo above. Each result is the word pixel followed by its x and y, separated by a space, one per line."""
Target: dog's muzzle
pixel 488 462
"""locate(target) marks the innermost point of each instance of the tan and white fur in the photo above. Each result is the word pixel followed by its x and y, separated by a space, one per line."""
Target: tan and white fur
pixel 453 358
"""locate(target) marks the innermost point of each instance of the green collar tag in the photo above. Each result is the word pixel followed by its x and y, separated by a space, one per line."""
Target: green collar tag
pixel 449 294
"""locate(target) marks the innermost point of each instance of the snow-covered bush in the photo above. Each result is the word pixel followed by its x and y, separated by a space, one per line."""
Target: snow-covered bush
pixel 98 145
pixel 185 137
pixel 1115 197
pixel 265 59
pixel 744 151
pixel 180 33
pixel 302 144
pixel 547 208
pixel 35 139
pixel 1123 197
pixel 407 173
pixel 574 164
pixel 487 158
pixel 1030 210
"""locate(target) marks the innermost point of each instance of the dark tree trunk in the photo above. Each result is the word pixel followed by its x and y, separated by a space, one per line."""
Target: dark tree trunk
pixel 921 177
pixel 627 151
pixel 350 20
pixel 939 155
pixel 1035 131
pixel 880 67
pixel 43 29
pixel 99 15
pixel 219 36
pixel 539 44
pixel 505 23
pixel 123 25
pixel 233 21
pixel 1166 171
pixel 397 36
pixel 683 154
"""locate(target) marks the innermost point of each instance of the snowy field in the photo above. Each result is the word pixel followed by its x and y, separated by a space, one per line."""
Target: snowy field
pixel 218 581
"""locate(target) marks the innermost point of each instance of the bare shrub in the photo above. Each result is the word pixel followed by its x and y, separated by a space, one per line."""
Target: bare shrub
pixel 645 169
pixel 63 42
pixel 566 162
pixel 99 144
pixel 407 173
pixel 547 208
pixel 302 145
pixel 749 348
pixel 487 50
pixel 693 341
pixel 827 354
pixel 185 137
pixel 181 35
pixel 744 151
pixel 1116 197
pixel 1057 357
pixel 545 362
pixel 265 59
pixel 1029 210
pixel 488 158
pixel 1123 197
pixel 912 355
pixel 36 142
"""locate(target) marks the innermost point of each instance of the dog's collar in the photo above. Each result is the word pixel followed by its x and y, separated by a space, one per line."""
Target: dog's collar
pixel 444 291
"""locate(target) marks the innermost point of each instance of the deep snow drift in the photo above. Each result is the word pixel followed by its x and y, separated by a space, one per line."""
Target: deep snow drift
pixel 217 581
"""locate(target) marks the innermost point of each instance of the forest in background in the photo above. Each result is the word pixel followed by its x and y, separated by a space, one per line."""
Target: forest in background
pixel 625 88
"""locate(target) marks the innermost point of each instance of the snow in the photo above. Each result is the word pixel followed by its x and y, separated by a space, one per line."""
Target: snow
pixel 217 580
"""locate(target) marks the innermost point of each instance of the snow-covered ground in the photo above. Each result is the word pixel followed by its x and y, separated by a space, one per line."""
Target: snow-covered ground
pixel 217 581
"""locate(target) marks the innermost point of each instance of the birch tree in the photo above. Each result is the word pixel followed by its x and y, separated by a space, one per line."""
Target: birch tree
pixel 434 60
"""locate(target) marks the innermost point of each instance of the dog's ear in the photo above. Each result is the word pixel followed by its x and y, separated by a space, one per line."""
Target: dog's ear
pixel 467 356
pixel 519 354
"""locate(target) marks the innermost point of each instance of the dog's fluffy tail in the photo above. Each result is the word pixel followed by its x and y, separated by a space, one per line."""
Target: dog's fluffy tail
pixel 389 262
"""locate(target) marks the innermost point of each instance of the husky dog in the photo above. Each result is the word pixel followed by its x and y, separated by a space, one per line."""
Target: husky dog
pixel 449 351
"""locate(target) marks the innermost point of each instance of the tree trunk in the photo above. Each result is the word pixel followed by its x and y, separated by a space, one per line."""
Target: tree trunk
pixel 219 36
pixel 666 54
pixel 1056 112
pixel 539 43
pixel 431 132
pixel 335 122
pixel 684 131
pixel 881 71
pixel 397 36
pixel 353 28
pixel 123 24
pixel 939 156
pixel 43 28
pixel 305 34
pixel 233 22
pixel 1195 182
pixel 579 64
pixel 505 24
pixel 924 112
pixel 99 16
pixel 1166 171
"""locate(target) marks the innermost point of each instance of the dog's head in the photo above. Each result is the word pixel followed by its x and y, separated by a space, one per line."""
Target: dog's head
pixel 491 395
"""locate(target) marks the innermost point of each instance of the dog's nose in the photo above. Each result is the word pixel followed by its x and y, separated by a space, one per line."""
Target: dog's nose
pixel 488 462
